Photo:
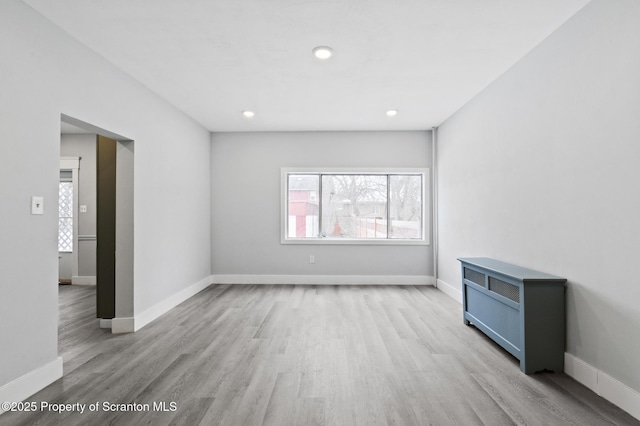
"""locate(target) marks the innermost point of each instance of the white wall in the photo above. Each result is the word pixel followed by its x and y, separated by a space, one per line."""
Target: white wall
pixel 44 73
pixel 246 201
pixel 541 170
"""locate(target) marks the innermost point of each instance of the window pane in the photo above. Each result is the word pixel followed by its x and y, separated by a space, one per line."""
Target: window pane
pixel 405 198
pixel 65 214
pixel 303 206
pixel 354 206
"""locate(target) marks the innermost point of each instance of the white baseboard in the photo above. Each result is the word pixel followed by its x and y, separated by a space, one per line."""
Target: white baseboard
pixel 28 384
pixel 123 325
pixel 453 292
pixel 603 384
pixel 104 323
pixel 133 324
pixel 83 280
pixel 581 371
pixel 325 279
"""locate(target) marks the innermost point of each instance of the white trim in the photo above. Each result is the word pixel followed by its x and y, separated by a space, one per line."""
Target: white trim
pixel 603 384
pixel 325 279
pixel 453 292
pixel 123 325
pixel 73 164
pixel 356 241
pixel 34 381
pixel 434 200
pixel 169 303
pixel 135 323
pixel 104 323
pixel 581 371
pixel 83 280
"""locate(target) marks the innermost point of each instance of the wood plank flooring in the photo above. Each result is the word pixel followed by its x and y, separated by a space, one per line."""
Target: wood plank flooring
pixel 304 355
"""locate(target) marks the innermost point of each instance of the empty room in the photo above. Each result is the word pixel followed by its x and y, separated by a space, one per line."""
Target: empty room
pixel 319 213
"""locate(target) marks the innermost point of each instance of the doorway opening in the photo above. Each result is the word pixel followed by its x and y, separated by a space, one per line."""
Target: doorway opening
pixel 96 217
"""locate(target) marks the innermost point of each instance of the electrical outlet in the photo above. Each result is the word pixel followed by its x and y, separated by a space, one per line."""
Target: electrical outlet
pixel 312 259
pixel 83 208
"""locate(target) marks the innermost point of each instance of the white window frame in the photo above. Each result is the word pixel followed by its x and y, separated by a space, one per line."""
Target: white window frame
pixel 425 173
pixel 73 164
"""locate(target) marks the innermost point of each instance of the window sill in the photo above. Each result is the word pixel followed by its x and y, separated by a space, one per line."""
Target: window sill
pixel 354 241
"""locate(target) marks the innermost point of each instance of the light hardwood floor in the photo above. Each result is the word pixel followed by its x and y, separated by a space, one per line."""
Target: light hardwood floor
pixel 305 355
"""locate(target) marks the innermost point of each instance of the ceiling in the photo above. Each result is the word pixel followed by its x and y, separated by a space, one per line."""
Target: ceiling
pixel 215 58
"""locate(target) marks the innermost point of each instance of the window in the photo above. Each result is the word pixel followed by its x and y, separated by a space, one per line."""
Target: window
pixel 65 212
pixel 354 207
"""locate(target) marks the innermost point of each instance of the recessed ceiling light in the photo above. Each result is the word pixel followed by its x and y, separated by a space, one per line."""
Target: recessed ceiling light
pixel 392 112
pixel 248 113
pixel 323 52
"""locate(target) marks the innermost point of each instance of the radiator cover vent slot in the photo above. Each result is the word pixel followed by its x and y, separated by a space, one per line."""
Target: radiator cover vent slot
pixel 475 276
pixel 510 291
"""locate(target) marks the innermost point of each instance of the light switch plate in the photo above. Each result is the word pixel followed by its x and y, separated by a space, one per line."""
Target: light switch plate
pixel 83 208
pixel 37 205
